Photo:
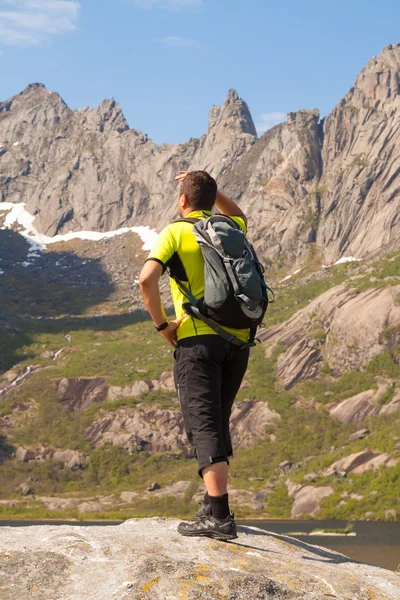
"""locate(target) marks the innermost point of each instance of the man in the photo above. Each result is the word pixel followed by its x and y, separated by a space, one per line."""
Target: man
pixel 208 369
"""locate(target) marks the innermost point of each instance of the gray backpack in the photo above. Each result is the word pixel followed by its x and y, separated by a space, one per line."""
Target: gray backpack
pixel 235 292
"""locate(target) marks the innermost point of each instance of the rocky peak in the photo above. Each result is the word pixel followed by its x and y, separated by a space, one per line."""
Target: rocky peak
pixel 379 80
pixel 232 96
pixel 235 113
pixel 106 117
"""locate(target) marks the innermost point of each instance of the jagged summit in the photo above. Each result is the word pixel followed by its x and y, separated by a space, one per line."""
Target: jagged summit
pixel 333 183
pixel 232 96
pixel 95 178
pixel 36 85
pixel 236 112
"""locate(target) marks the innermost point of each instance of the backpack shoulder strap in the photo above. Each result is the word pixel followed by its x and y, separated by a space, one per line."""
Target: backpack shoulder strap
pixel 192 220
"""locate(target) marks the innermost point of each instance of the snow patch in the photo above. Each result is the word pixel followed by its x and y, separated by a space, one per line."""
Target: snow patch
pixel 290 276
pixel 38 242
pixel 346 259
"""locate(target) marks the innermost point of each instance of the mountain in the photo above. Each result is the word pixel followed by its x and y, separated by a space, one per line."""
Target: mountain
pixel 308 185
pixel 89 421
pixel 86 170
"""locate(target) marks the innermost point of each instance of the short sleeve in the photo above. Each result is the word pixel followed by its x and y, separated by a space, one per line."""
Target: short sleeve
pixel 241 223
pixel 164 248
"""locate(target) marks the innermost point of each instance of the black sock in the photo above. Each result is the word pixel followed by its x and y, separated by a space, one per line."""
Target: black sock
pixel 219 506
pixel 206 499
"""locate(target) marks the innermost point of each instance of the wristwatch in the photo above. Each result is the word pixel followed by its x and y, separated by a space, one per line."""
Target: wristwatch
pixel 162 326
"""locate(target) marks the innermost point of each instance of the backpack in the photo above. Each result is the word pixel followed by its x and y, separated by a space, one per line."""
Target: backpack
pixel 235 292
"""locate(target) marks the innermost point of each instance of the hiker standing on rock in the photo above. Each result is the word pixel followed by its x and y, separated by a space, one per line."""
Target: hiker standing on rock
pixel 216 320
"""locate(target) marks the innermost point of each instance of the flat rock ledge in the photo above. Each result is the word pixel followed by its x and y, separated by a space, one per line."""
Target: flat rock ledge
pixel 147 559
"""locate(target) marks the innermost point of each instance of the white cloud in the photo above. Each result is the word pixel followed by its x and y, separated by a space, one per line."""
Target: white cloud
pixel 174 40
pixel 268 120
pixel 30 22
pixel 172 5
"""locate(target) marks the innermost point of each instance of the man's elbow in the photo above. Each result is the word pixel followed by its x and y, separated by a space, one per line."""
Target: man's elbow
pixel 144 280
pixel 148 279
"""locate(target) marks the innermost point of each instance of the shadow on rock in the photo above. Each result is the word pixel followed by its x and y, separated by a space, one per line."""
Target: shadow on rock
pixel 37 289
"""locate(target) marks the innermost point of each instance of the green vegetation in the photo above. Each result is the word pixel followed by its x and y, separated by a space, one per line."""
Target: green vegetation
pixel 329 389
pixel 319 335
pixel 359 161
pixel 344 530
pixel 124 349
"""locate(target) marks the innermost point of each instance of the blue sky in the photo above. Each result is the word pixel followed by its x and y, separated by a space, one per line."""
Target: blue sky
pixel 168 61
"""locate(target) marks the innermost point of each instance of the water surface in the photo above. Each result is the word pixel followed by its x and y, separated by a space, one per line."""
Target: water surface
pixel 374 543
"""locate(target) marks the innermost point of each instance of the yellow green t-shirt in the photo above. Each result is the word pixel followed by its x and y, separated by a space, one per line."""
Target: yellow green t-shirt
pixel 176 247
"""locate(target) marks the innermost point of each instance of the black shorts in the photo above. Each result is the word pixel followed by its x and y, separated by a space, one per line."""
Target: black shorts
pixel 208 373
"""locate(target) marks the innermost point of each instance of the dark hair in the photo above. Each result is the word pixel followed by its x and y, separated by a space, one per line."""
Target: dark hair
pixel 200 190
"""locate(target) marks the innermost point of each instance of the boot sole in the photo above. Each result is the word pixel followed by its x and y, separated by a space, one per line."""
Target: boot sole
pixel 216 535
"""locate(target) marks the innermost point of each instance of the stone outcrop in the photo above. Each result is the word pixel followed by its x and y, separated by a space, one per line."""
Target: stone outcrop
pixel 141 428
pixel 249 420
pixel 393 406
pixel 24 455
pixel 154 429
pixel 13 379
pixel 147 558
pixel 360 462
pixel 79 393
pixel 351 337
pixel 164 382
pixel 358 407
pixel 70 458
pixel 307 499
pixel 354 338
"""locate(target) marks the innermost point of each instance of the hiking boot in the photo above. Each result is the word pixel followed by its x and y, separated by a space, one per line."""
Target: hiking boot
pixel 203 511
pixel 209 526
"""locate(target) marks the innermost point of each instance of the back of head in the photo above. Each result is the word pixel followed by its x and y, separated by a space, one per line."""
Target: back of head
pixel 200 190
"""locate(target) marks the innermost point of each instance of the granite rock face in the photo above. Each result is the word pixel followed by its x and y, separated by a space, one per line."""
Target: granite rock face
pixel 360 153
pixel 333 184
pixel 86 170
pixel 351 340
pixel 149 559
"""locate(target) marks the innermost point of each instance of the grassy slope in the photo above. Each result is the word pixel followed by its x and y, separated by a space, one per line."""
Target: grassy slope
pixel 121 347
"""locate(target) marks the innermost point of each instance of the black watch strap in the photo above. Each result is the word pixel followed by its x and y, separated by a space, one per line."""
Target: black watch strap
pixel 162 326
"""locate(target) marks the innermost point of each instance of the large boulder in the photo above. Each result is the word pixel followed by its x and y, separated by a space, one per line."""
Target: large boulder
pixel 357 408
pixel 71 459
pixel 148 558
pixel 164 382
pixel 24 455
pixel 360 462
pixel 249 420
pixel 307 500
pixel 78 393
